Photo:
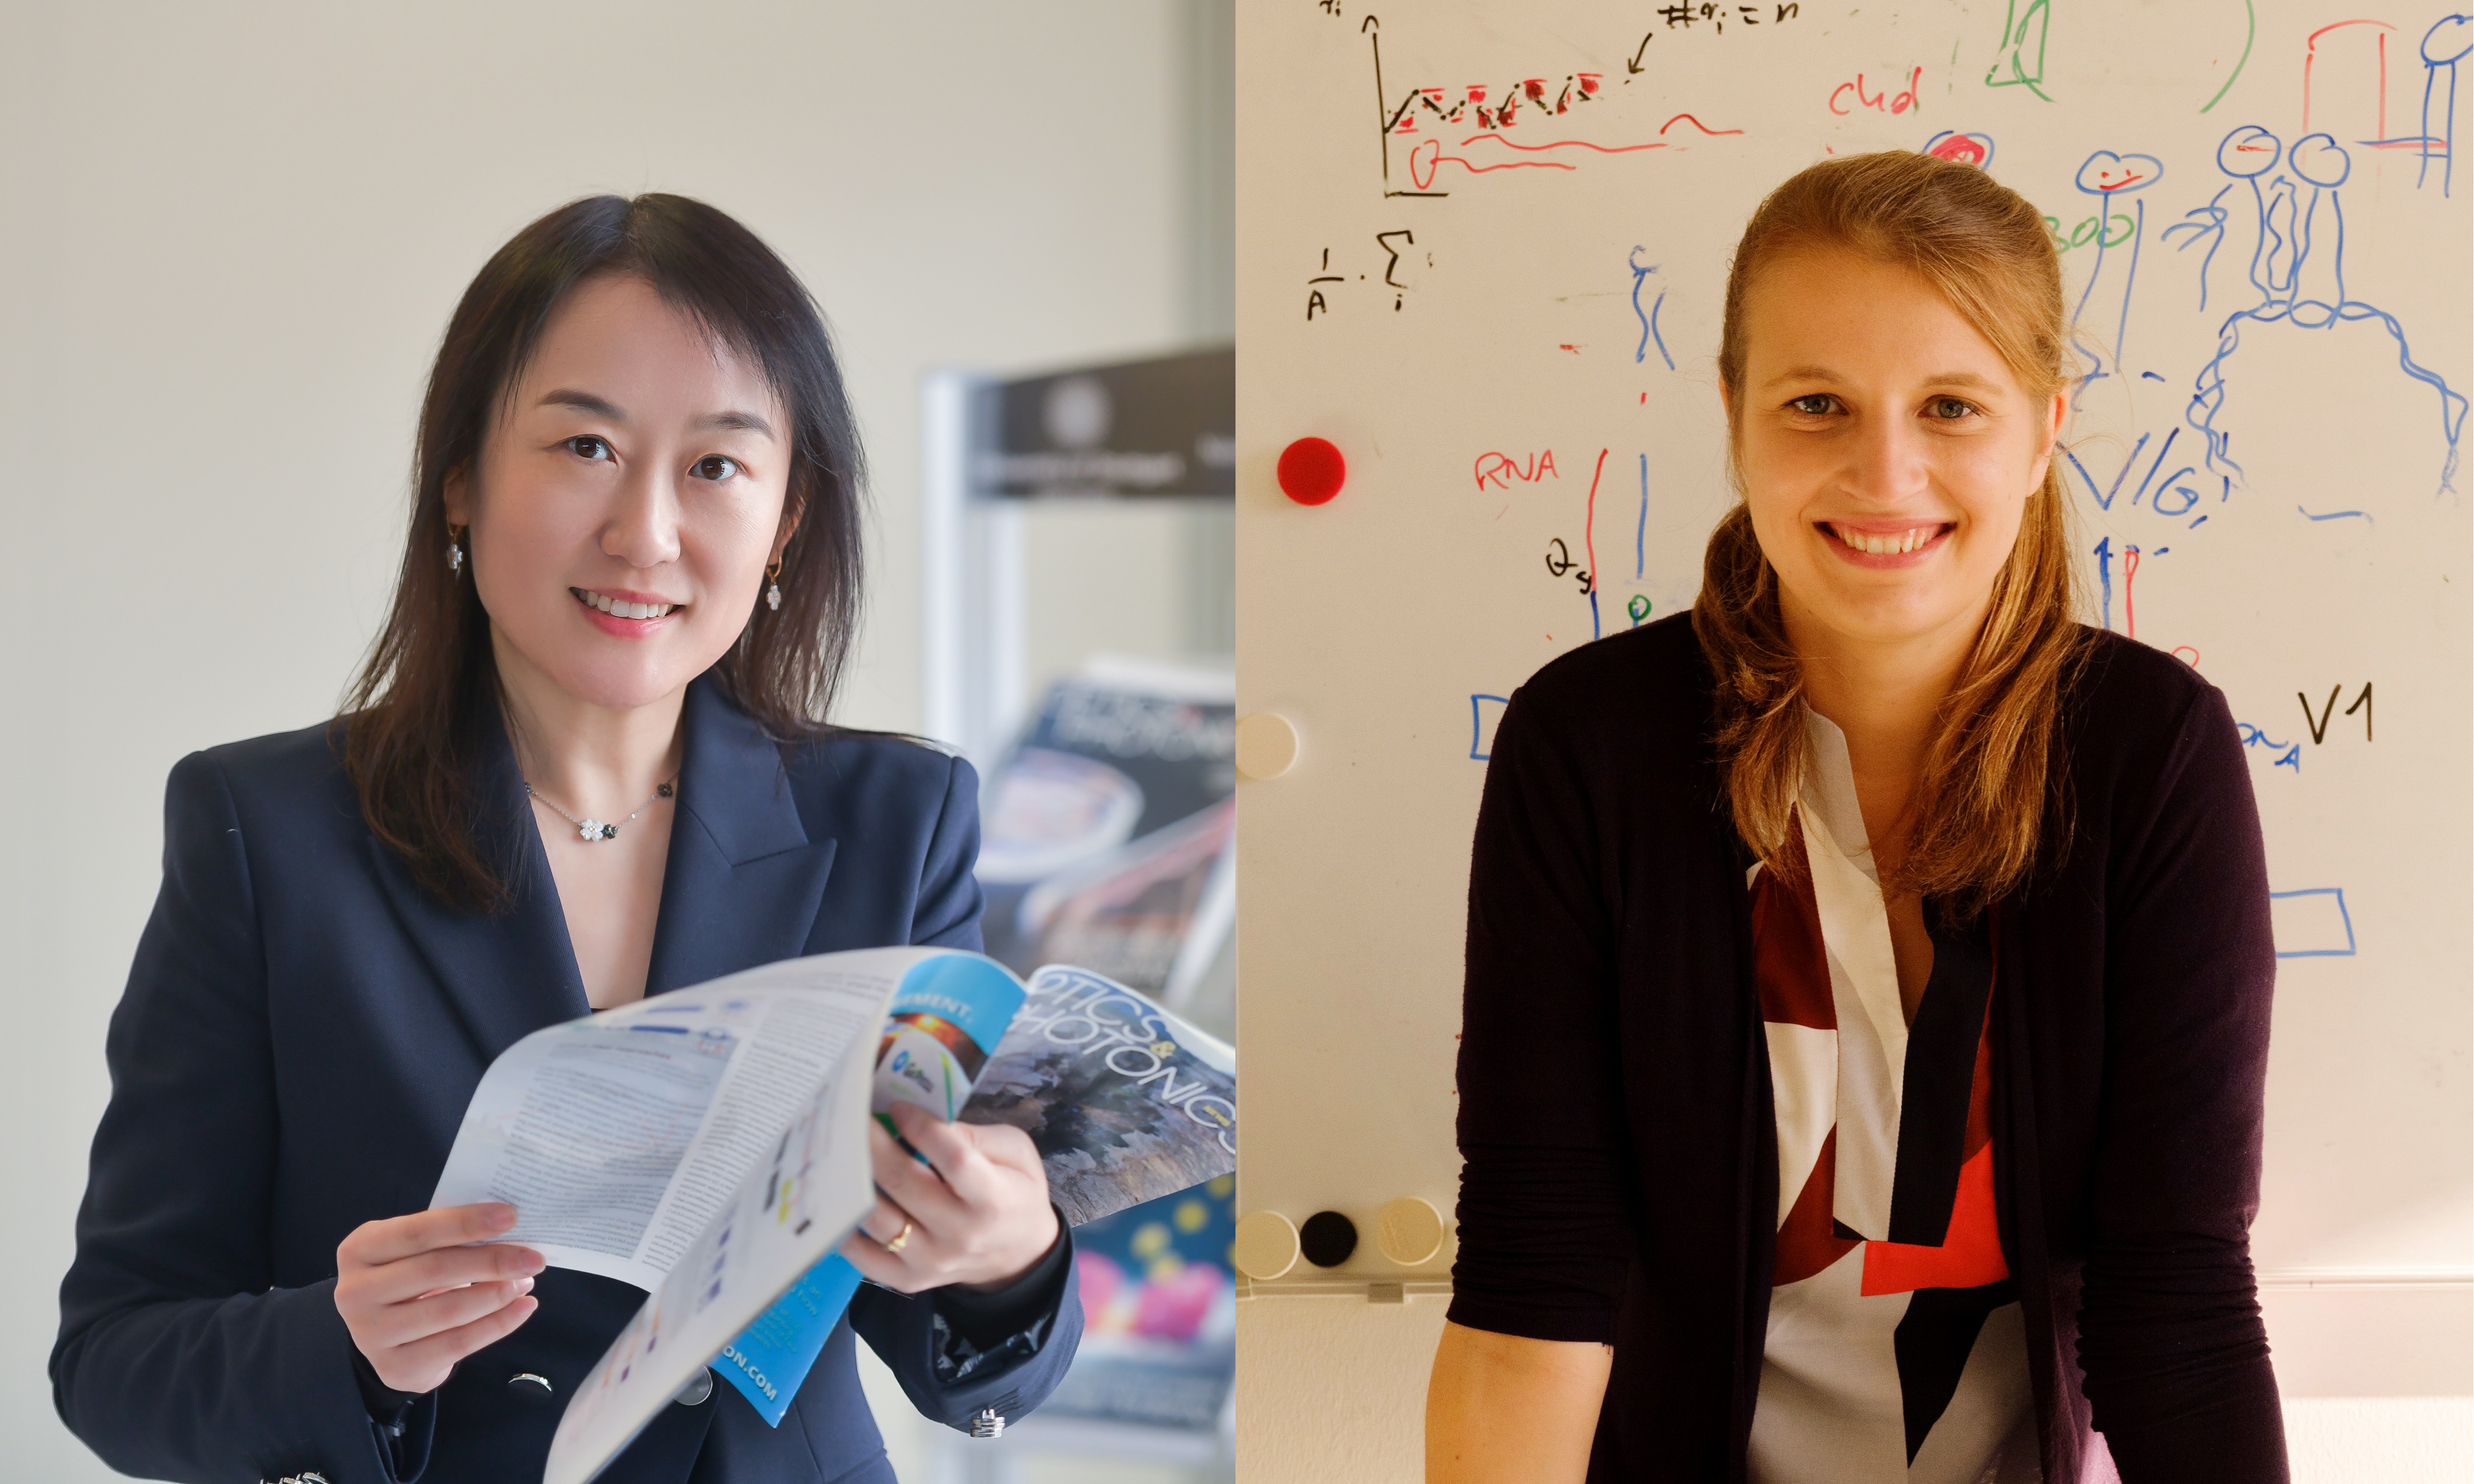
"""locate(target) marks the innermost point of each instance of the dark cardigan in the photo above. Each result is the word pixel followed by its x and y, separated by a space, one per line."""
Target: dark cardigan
pixel 1621 1167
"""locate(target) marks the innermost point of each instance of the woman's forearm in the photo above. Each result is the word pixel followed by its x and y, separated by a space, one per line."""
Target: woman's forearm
pixel 1500 1407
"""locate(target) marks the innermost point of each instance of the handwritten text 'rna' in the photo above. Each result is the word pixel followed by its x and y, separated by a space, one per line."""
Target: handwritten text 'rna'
pixel 1500 469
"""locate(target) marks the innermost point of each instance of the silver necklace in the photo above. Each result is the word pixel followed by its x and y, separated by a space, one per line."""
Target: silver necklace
pixel 594 830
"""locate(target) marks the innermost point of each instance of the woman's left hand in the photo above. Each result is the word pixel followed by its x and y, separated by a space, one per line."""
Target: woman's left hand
pixel 979 1218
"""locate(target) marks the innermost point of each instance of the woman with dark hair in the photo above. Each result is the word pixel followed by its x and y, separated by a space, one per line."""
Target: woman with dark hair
pixel 584 763
pixel 1867 1000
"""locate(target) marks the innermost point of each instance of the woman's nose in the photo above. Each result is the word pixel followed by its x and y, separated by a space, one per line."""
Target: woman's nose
pixel 1888 463
pixel 644 529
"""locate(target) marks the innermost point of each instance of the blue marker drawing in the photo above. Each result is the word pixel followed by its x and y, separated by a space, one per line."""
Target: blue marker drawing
pixel 2104 497
pixel 2315 922
pixel 1640 531
pixel 2288 227
pixel 2108 177
pixel 1648 320
pixel 1482 724
pixel 2444 46
pixel 2338 514
pixel 2129 555
pixel 1968 149
pixel 2288 753
pixel 2244 154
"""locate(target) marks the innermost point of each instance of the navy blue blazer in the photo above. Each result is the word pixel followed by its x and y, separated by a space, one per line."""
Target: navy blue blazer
pixel 302 1030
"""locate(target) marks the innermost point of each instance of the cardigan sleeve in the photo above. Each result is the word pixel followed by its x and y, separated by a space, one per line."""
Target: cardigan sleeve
pixel 2171 1338
pixel 1542 1215
pixel 176 1359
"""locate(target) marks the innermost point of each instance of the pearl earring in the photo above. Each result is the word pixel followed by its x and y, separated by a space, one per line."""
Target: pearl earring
pixel 773 592
pixel 455 550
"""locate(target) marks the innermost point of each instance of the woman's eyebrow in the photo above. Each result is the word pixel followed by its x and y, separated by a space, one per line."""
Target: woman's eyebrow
pixel 736 422
pixel 582 401
pixel 1828 377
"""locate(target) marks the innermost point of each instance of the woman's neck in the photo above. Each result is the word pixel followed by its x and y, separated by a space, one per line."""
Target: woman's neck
pixel 1885 695
pixel 591 760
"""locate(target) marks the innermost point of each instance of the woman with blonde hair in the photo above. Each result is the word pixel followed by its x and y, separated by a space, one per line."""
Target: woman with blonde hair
pixel 1867 1002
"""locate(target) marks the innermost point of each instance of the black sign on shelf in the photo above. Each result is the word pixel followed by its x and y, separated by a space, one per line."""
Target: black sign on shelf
pixel 1140 430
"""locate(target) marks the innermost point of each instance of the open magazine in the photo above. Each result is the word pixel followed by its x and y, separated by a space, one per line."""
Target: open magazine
pixel 709 1145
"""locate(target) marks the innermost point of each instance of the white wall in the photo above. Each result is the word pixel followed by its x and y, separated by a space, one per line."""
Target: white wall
pixel 229 237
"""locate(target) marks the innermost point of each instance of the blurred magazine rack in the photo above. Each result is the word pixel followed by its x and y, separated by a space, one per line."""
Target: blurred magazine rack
pixel 1109 841
pixel 1131 434
pixel 1108 824
pixel 1109 835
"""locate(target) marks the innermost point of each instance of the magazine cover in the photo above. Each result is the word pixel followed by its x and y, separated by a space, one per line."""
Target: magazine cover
pixel 1126 1102
pixel 1160 1312
pixel 1110 831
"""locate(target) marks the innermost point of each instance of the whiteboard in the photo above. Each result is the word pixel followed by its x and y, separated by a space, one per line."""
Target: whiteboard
pixel 1482 250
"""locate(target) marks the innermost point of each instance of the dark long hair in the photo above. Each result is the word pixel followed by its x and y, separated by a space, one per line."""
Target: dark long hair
pixel 417 720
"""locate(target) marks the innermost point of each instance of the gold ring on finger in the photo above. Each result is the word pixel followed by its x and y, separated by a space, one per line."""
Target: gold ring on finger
pixel 900 1239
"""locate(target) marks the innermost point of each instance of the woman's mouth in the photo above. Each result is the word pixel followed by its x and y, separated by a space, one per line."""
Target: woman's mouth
pixel 1882 544
pixel 632 609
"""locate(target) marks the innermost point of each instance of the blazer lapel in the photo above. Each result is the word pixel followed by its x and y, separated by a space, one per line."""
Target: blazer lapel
pixel 744 881
pixel 505 975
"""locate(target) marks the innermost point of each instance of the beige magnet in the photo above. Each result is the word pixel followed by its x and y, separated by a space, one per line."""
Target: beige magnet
pixel 1266 1246
pixel 1267 745
pixel 1409 1231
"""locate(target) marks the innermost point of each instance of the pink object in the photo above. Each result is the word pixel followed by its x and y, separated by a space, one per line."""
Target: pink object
pixel 1099 1278
pixel 1175 1310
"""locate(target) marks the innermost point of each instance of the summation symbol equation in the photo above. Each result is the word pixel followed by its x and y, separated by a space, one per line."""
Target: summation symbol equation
pixel 1399 253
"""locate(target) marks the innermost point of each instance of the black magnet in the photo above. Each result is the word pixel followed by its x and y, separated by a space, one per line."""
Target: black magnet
pixel 1327 1238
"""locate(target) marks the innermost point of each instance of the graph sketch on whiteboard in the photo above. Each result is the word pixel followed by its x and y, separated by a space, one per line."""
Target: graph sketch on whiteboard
pixel 2298 232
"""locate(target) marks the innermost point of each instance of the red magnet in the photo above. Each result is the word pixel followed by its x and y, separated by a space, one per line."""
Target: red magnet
pixel 1311 470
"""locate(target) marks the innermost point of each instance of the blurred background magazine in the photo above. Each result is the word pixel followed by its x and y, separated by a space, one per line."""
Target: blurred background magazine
pixel 1159 1313
pixel 1108 837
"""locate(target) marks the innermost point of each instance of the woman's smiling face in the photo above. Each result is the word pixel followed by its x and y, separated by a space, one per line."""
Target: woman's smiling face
pixel 1886 449
pixel 628 497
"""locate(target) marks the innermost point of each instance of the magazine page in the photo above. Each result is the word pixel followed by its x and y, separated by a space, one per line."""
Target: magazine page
pixel 1126 1102
pixel 1110 830
pixel 948 1015
pixel 618 1137
pixel 787 1212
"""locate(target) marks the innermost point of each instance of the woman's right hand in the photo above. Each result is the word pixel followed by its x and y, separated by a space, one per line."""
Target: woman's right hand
pixel 418 1296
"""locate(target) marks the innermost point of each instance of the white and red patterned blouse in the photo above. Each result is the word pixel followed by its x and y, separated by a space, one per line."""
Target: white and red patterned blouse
pixel 1895 1352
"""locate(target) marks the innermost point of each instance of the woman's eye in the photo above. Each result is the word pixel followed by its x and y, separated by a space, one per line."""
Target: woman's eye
pixel 586 446
pixel 1812 405
pixel 1951 408
pixel 715 465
